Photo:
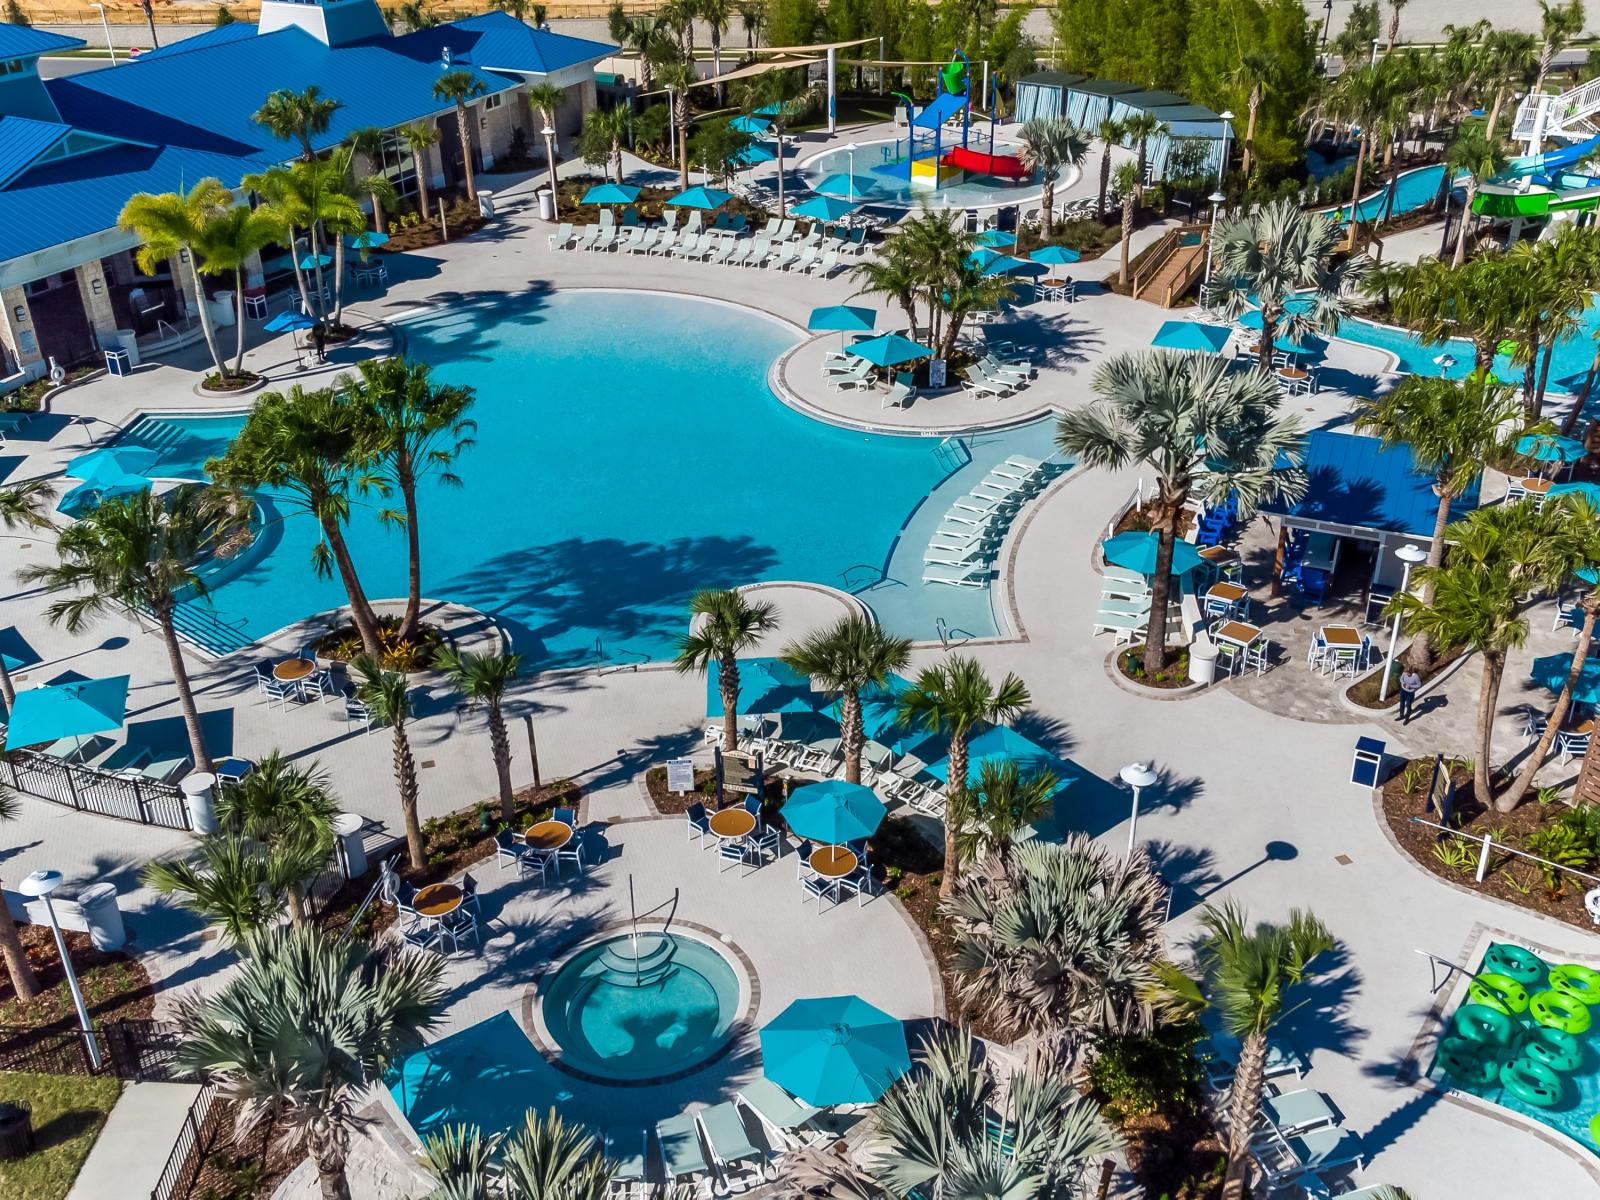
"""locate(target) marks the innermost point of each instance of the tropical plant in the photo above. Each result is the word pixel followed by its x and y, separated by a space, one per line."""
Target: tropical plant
pixel 848 658
pixel 1127 185
pixel 1258 72
pixel 1478 156
pixel 601 139
pixel 1279 251
pixel 24 983
pixel 1204 431
pixel 1047 146
pixel 458 1157
pixel 313 196
pixel 1108 133
pixel 1248 975
pixel 380 193
pixel 954 700
pixel 717 14
pixel 641 37
pixel 783 97
pixel 1477 301
pixel 1139 128
pixel 227 243
pixel 553 1159
pixel 311 449
pixel 303 1029
pixel 750 17
pixel 1511 57
pixel 387 696
pixel 460 88
pixel 236 884
pixel 297 116
pixel 1558 25
pixel 723 625
pixel 1557 277
pixel 284 807
pixel 992 814
pixel 1394 23
pixel 678 78
pixel 418 137
pixel 546 99
pixel 1452 429
pixel 483 679
pixel 138 554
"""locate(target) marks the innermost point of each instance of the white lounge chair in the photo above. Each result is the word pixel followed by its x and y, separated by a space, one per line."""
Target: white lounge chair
pixel 759 253
pixel 635 237
pixel 696 222
pixel 785 1119
pixel 723 250
pixel 993 368
pixel 642 244
pixel 607 238
pixel 784 255
pixel 586 237
pixel 785 230
pixel 562 235
pixel 972 502
pixel 899 392
pixel 974 576
pixel 974 382
pixel 825 265
pixel 681 1154
pixel 1125 608
pixel 689 244
pixel 808 255
pixel 736 1159
pixel 1282 1158
pixel 665 244
pixel 1125 626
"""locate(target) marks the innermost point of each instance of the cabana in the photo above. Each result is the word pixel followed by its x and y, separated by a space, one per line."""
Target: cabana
pixel 1043 94
pixel 1089 101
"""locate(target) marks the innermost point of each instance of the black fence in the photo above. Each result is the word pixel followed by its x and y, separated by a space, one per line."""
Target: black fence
pixel 88 790
pixel 199 1132
pixel 134 1049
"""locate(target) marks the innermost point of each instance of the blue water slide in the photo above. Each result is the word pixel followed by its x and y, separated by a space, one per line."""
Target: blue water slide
pixel 1553 160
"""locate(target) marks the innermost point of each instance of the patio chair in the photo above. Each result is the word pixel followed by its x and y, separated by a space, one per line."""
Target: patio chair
pixel 629 1181
pixel 1126 608
pixel 642 244
pixel 760 250
pixel 824 266
pixel 1572 745
pixel 1299 1111
pixel 763 836
pixel 996 369
pixel 681 1153
pixel 722 252
pixel 1124 626
pixel 698 824
pixel 508 849
pixel 321 684
pixel 900 391
pixel 355 710
pixel 458 924
pixel 261 671
pixel 276 689
pixel 785 254
pixel 469 894
pixel 585 237
pixel 974 382
pixel 785 1120
pixel 166 770
pixel 696 222
pixel 563 234
pixel 785 230
pixel 973 576
pixel 666 242
pixel 1282 1158
pixel 1219 1061
pixel 737 1160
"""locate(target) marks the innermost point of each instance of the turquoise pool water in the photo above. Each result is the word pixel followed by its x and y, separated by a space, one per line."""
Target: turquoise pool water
pixel 632 1019
pixel 1573 354
pixel 881 163
pixel 629 451
pixel 1412 190
pixel 1579 1099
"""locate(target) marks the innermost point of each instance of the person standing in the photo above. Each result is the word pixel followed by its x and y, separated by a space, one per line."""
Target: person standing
pixel 1410 685
pixel 319 339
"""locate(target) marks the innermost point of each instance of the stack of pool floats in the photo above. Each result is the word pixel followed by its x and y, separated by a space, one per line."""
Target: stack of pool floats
pixel 1522 1027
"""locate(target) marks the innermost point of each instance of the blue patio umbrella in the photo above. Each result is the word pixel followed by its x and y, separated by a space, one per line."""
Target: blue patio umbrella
pixel 833 811
pixel 701 196
pixel 752 156
pixel 1192 335
pixel 844 318
pixel 1589 491
pixel 1550 448
pixel 997 239
pixel 87 495
pixel 611 193
pixel 1590 575
pixel 1293 305
pixel 889 349
pixel 834 1050
pixel 1137 552
pixel 367 239
pixel 851 187
pixel 1306 345
pixel 112 463
pixel 1005 264
pixel 312 261
pixel 63 710
pixel 823 208
pixel 753 125
pixel 766 685
pixel 1551 672
pixel 289 320
pixel 1002 743
pixel 767 110
pixel 1055 256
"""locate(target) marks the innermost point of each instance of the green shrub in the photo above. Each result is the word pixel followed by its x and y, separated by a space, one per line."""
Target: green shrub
pixel 1563 846
pixel 1140 1076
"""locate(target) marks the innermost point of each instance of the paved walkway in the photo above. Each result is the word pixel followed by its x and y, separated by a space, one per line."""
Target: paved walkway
pixel 131 1152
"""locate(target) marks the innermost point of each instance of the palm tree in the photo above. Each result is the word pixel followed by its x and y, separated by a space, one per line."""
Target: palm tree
pixel 168 225
pixel 1361 97
pixel 750 15
pixel 547 1159
pixel 1247 975
pixel 547 99
pixel 640 36
pixel 150 19
pixel 604 132
pixel 235 883
pixel 1049 144
pixel 1511 58
pixel 25 505
pixel 1140 127
pixel 283 806
pixel 1109 133
pixel 305 1027
pixel 1202 430
pixel 1558 25
pixel 310 448
pixel 1394 23
pixel 369 143
pixel 23 981
pixel 313 196
pixel 677 78
pixel 388 698
pixel 723 625
pixel 227 243
pixel 784 94
pixel 1557 277
pixel 717 14
pixel 849 657
pixel 138 554
pixel 995 810
pixel 894 274
pixel 1478 156
pixel 418 427
pixel 460 88
pixel 1452 429
pixel 1258 72
pixel 1277 251
pixel 955 699
pixel 483 679
pixel 1477 301
pixel 297 116
pixel 418 136
pixel 1127 181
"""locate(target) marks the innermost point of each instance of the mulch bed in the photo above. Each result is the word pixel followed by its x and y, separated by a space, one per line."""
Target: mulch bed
pixel 1365 691
pixel 247 1168
pixel 116 987
pixel 1174 675
pixel 343 643
pixel 1516 881
pixel 233 383
pixel 461 220
pixel 672 803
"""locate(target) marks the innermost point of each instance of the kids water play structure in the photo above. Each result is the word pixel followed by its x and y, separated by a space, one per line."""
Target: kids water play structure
pixel 922 158
pixel 1539 184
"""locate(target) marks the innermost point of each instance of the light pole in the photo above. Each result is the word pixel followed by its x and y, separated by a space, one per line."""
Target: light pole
pixel 1327 20
pixel 106 25
pixel 1216 199
pixel 672 127
pixel 1410 554
pixel 39 885
pixel 1227 132
pixel 1138 776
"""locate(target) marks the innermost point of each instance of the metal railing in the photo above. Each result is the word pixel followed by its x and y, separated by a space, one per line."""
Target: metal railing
pixel 87 789
pixel 188 1151
pixel 1488 846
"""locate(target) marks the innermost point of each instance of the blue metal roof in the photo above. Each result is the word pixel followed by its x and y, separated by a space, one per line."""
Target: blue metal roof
pixel 22 140
pixel 497 41
pixel 221 35
pixel 19 41
pixel 1353 481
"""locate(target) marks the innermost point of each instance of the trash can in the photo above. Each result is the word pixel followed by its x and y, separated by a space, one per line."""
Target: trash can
pixel 117 361
pixel 98 902
pixel 347 828
pixel 16 1129
pixel 197 794
pixel 547 204
pixel 486 205
pixel 1202 662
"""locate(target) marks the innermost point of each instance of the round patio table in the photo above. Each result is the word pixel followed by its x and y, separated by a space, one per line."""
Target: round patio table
pixel 833 862
pixel 1584 726
pixel 732 823
pixel 292 670
pixel 437 900
pixel 547 835
pixel 1536 485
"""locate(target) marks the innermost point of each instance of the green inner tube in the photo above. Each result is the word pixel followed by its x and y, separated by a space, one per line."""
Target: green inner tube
pixel 1532 1083
pixel 1488 1026
pixel 1580 982
pixel 1514 962
pixel 1554 1048
pixel 1464 1063
pixel 1558 1011
pixel 1499 991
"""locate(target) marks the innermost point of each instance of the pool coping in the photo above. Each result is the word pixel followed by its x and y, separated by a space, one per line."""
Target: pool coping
pixel 906 208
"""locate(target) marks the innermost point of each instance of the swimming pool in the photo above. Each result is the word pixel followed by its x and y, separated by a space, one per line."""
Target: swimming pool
pixel 1412 190
pixel 882 162
pixel 629 452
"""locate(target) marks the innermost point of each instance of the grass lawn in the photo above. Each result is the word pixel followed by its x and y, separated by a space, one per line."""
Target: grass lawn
pixel 68 1114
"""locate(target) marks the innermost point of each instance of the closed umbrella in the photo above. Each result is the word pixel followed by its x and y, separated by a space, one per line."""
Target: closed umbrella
pixel 701 196
pixel 1551 672
pixel 1137 552
pixel 889 350
pixel 67 710
pixel 833 811
pixel 834 1050
pixel 1192 335
pixel 112 463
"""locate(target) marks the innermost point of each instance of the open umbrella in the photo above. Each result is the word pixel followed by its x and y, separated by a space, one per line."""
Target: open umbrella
pixel 997 239
pixel 312 261
pixel 87 495
pixel 1005 264
pixel 1291 306
pixel 833 811
pixel 611 193
pixel 1192 335
pixel 823 208
pixel 1137 552
pixel 1004 744
pixel 1550 448
pixel 63 710
pixel 845 318
pixel 1589 491
pixel 289 320
pixel 767 110
pixel 367 239
pixel 753 125
pixel 889 350
pixel 701 196
pixel 834 1050
pixel 752 156
pixel 851 187
pixel 1551 672
pixel 766 685
pixel 1055 256
pixel 111 463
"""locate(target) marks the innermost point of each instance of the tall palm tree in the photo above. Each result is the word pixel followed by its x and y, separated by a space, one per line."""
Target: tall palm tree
pixel 608 129
pixel 460 88
pixel 1048 145
pixel 1258 73
pixel 1476 155
pixel 1558 25
pixel 1202 430
pixel 1478 301
pixel 23 981
pixel 1557 275
pixel 724 624
pixel 283 200
pixel 387 696
pixel 1394 23
pixel 369 143
pixel 1511 58
pixel 234 882
pixel 751 14
pixel 304 1028
pixel 1248 975
pixel 297 116
pixel 25 505
pixel 311 448
pixel 418 428
pixel 955 700
pixel 641 36
pixel 1361 98
pixel 168 226
pixel 1108 133
pixel 784 95
pixel 1127 181
pixel 1279 251
pixel 1452 429
pixel 483 679
pixel 848 658
pixel 895 274
pixel 547 99
pixel 717 14
pixel 418 137
pixel 677 78
pixel 139 554
pixel 226 244
pixel 284 806
pixel 1140 127
pixel 313 196
pixel 998 807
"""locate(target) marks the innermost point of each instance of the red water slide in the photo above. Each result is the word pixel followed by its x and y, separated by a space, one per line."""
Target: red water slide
pixel 1003 166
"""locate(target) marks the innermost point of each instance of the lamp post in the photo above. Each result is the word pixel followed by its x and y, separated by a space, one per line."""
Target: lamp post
pixel 1138 776
pixel 39 886
pixel 1327 20
pixel 672 127
pixel 1216 199
pixel 106 25
pixel 1227 132
pixel 1410 554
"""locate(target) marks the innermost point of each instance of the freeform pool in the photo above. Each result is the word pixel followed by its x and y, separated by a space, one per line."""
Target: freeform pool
pixel 885 165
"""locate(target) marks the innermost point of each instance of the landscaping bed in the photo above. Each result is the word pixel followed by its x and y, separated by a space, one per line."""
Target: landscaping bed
pixel 115 986
pixel 672 803
pixel 1364 691
pixel 1088 236
pixel 1174 675
pixel 249 1168
pixel 68 1113
pixel 243 381
pixel 29 396
pixel 410 231
pixel 343 644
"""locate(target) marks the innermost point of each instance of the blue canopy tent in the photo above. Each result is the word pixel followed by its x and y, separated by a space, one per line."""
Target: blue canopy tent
pixel 1192 335
pixel 766 685
pixel 834 1050
pixel 67 710
pixel 1001 743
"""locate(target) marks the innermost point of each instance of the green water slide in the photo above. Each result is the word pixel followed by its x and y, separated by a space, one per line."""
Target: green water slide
pixel 1501 200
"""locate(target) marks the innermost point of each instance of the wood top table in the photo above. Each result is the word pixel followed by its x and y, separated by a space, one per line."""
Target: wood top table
pixel 833 862
pixel 1231 593
pixel 1586 726
pixel 437 900
pixel 733 823
pixel 547 835
pixel 1292 373
pixel 1342 635
pixel 1239 633
pixel 1219 554
pixel 292 670
pixel 1536 485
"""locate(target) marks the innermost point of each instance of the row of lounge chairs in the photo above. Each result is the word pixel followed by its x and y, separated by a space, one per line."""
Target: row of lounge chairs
pixel 1124 604
pixel 992 376
pixel 844 372
pixel 961 549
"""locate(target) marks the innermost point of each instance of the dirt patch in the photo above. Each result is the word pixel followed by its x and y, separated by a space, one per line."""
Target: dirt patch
pixel 672 803
pixel 247 1168
pixel 1174 675
pixel 411 232
pixel 116 987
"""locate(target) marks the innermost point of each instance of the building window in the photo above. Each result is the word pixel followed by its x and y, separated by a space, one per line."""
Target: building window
pixel 490 103
pixel 13 66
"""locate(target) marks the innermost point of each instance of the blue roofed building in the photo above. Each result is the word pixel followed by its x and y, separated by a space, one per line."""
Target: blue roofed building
pixel 74 149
